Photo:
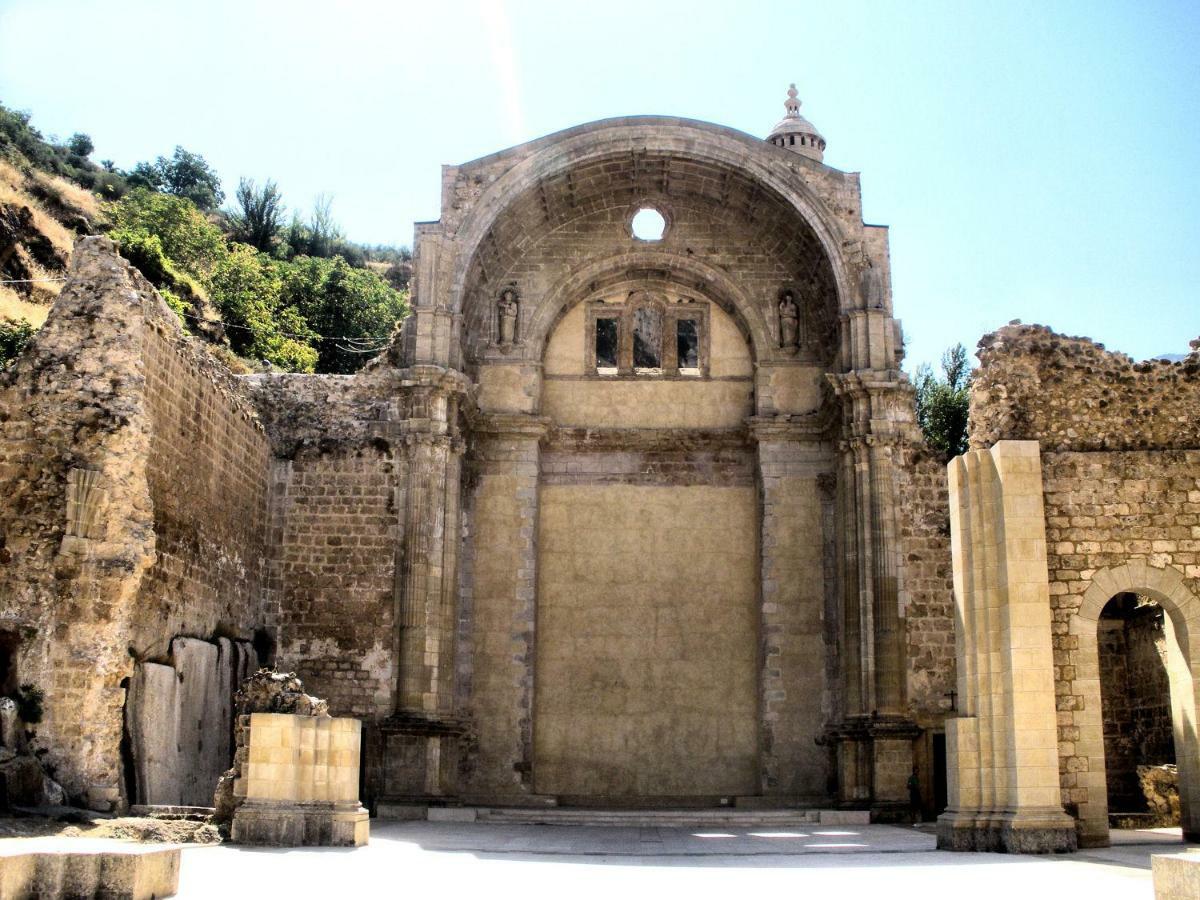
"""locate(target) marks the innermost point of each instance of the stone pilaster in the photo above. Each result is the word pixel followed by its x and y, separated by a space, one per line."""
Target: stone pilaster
pixel 874 734
pixel 419 735
pixel 503 587
pixel 792 460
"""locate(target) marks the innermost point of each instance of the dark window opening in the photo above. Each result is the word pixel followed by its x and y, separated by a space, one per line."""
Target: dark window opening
pixel 9 641
pixel 647 338
pixel 1135 701
pixel 687 341
pixel 792 139
pixel 606 343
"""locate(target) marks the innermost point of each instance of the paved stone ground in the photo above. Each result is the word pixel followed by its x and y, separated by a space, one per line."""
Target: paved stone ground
pixel 578 862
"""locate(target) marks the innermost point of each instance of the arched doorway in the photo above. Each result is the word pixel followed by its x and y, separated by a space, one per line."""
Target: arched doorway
pixel 1108 619
pixel 1135 700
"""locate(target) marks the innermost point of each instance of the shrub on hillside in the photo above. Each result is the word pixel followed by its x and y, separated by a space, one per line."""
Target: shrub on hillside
pixel 187 237
pixel 14 335
pixel 246 287
pixel 185 174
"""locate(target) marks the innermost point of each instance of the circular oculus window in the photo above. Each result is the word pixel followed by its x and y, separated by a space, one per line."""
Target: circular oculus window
pixel 648 224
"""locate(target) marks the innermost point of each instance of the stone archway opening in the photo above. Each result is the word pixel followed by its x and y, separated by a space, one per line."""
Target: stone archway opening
pixel 1084 746
pixel 1141 776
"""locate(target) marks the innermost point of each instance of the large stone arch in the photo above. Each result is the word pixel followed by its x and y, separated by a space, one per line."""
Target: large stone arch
pixel 722 148
pixel 1168 588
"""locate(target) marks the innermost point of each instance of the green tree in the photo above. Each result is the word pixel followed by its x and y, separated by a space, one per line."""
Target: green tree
pixel 943 403
pixel 80 144
pixel 187 238
pixel 256 221
pixel 185 174
pixel 246 287
pixel 353 310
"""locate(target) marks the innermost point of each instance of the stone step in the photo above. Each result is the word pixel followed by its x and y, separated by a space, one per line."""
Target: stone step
pixel 643 818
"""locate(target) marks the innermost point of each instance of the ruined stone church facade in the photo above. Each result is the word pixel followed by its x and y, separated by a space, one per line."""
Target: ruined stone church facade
pixel 621 517
pixel 633 499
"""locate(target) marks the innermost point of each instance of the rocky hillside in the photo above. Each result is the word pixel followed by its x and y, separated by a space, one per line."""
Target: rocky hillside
pixel 266 293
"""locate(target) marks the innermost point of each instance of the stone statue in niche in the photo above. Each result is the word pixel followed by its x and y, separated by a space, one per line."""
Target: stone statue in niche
pixel 508 311
pixel 789 322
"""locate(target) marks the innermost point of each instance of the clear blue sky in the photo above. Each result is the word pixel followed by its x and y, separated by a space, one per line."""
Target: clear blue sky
pixel 1034 160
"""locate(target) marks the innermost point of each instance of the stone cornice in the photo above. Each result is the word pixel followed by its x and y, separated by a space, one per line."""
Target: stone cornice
pixel 813 427
pixel 451 381
pixel 518 425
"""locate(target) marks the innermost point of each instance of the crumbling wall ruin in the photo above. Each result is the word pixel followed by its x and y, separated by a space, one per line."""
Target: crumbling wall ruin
pixel 112 423
pixel 337 478
pixel 1120 444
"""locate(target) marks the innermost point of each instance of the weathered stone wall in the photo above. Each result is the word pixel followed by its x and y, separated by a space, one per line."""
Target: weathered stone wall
pixel 1069 393
pixel 1121 460
pixel 928 586
pixel 337 564
pixel 116 428
pixel 335 530
pixel 207 466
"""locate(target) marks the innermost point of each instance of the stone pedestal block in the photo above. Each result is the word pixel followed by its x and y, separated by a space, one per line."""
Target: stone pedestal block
pixel 1176 877
pixel 78 867
pixel 301 783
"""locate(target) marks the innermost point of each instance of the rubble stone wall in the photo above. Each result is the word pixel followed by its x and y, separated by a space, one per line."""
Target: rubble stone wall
pixel 1069 393
pixel 928 588
pixel 335 528
pixel 111 424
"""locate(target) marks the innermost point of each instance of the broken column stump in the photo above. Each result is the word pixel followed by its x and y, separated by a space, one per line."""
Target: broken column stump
pixel 301 783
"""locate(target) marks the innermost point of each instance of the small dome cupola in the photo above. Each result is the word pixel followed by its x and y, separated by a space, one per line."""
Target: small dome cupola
pixel 794 132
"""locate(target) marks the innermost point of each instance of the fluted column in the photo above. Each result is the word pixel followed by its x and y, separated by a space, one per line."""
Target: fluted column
pixel 874 737
pixel 410 748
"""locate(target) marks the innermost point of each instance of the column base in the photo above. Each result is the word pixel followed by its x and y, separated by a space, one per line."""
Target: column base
pixel 1027 831
pixel 272 823
pixel 412 758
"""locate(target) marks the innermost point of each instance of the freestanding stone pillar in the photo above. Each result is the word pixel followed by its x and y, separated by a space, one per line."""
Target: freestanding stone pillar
pixel 301 783
pixel 1002 751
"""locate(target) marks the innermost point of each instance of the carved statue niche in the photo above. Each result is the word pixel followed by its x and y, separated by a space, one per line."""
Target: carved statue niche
pixel 789 322
pixel 508 312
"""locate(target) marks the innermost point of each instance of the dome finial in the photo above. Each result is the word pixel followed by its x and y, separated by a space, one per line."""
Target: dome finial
pixel 791 104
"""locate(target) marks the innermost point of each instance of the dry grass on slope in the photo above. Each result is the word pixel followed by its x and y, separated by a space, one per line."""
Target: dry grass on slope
pixel 14 192
pixel 68 195
pixel 14 306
